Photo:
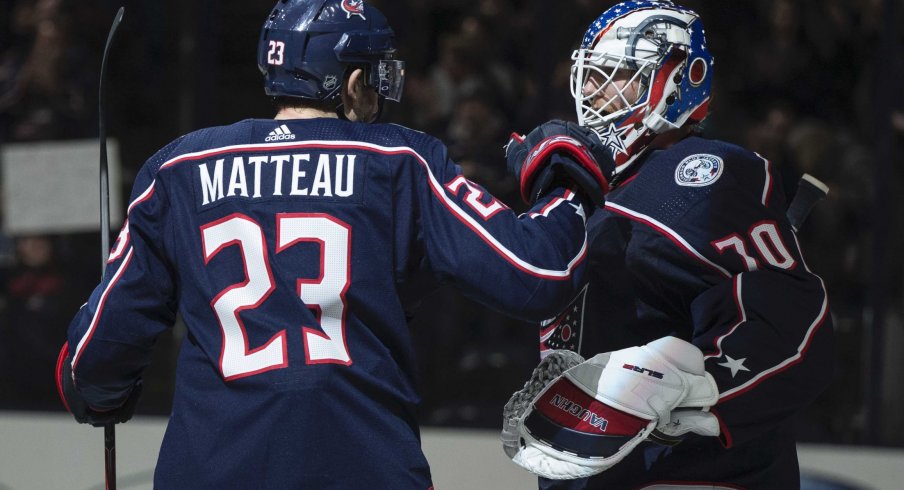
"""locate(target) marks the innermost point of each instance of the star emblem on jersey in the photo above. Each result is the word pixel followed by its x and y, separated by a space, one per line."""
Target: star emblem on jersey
pixel 734 364
pixel 564 331
pixel 699 170
pixel 612 139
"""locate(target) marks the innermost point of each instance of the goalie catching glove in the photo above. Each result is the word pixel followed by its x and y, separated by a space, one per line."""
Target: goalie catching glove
pixel 559 153
pixel 589 418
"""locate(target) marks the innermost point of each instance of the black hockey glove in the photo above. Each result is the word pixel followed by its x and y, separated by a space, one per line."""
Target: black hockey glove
pixel 560 153
pixel 78 407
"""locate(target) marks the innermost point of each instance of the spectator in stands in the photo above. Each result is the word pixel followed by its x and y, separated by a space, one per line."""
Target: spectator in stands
pixel 46 84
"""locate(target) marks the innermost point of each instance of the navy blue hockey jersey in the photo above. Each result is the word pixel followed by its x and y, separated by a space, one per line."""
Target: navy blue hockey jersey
pixel 294 251
pixel 696 244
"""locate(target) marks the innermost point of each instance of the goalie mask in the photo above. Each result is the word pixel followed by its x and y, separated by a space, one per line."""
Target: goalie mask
pixel 307 47
pixel 643 68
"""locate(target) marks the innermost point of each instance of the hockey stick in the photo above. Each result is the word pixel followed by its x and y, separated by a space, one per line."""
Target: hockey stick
pixel 109 429
pixel 810 190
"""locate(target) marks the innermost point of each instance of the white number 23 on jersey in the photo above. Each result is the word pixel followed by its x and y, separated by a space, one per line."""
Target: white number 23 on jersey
pixel 325 294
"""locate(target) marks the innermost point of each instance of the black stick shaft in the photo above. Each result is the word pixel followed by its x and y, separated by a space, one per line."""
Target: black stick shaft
pixel 109 429
pixel 104 177
pixel 810 190
pixel 110 457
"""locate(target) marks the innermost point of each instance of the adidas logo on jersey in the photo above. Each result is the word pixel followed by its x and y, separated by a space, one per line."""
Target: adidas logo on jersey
pixel 281 133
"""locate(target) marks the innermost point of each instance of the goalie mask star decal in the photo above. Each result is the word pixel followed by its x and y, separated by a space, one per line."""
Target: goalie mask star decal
pixel 612 139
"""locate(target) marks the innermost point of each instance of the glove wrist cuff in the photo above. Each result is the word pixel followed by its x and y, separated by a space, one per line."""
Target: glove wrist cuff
pixel 538 158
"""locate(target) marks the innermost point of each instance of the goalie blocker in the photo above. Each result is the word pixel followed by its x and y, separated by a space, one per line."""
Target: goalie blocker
pixel 594 414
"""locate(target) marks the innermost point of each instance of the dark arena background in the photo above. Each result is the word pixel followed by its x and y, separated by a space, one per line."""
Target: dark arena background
pixel 813 86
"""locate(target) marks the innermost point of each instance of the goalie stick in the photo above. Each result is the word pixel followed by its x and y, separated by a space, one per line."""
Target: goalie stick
pixel 810 190
pixel 109 429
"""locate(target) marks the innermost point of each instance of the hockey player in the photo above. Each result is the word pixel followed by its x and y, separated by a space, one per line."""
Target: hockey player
pixel 713 330
pixel 294 250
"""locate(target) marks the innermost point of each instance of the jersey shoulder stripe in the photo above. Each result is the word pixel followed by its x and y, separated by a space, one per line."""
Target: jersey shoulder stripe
pixel 667 232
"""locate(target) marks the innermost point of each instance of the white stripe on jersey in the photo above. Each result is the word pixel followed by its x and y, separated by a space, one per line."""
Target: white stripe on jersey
pixel 671 234
pixel 144 195
pixel 820 317
pixel 742 312
pixel 552 205
pixel 767 185
pixel 800 349
pixel 100 306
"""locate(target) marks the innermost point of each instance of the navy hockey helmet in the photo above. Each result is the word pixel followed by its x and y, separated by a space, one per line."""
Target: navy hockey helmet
pixel 307 46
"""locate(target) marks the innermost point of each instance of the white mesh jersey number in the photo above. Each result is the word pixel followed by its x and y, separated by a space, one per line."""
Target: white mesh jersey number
pixel 325 294
pixel 768 243
pixel 737 243
pixel 473 196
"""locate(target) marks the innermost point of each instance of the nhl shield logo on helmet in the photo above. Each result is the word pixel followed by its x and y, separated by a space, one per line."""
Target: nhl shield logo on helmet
pixel 330 82
pixel 699 170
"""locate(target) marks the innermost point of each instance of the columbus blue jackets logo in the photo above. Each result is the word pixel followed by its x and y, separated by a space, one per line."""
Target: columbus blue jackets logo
pixel 353 7
pixel 699 170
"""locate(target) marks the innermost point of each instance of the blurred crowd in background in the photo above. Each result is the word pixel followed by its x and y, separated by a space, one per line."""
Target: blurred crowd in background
pixel 813 86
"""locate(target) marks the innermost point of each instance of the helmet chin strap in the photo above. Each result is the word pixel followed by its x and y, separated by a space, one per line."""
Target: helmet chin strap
pixel 340 111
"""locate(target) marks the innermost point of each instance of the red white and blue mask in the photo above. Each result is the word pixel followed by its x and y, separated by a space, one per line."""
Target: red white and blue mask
pixel 643 68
